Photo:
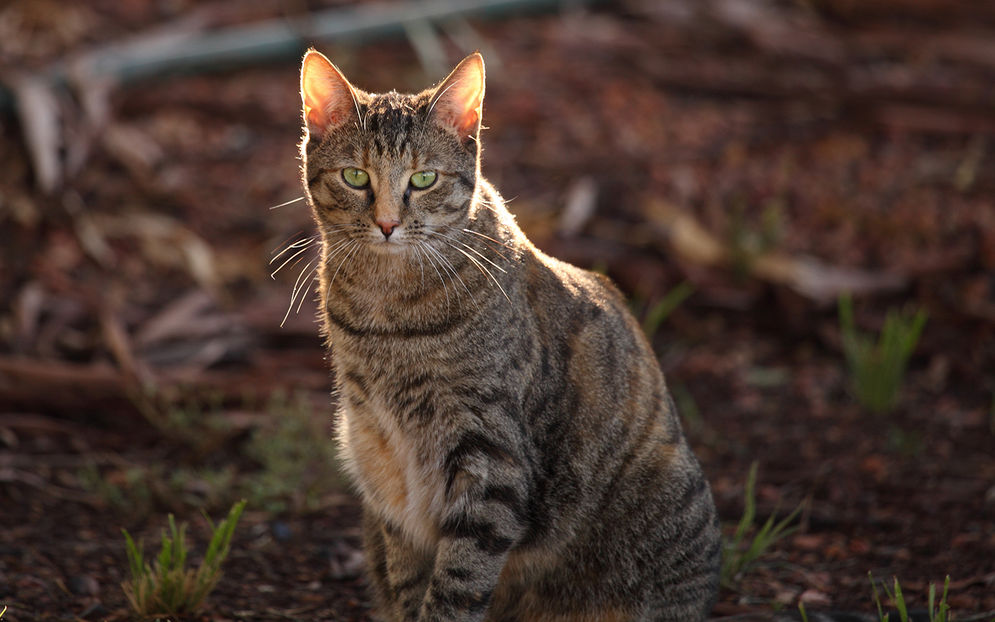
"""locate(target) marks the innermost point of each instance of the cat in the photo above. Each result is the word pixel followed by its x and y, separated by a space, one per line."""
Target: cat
pixel 506 423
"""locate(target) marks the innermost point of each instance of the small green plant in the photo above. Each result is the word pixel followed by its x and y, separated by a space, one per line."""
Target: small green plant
pixel 746 242
pixel 140 489
pixel 688 409
pixel 297 458
pixel 662 310
pixel 741 552
pixel 185 416
pixel 166 586
pixel 802 612
pixel 937 611
pixel 877 367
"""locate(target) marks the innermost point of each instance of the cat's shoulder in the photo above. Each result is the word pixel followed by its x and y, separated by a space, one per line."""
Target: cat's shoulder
pixel 586 284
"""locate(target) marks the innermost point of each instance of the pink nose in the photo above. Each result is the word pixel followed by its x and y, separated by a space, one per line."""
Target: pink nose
pixel 387 226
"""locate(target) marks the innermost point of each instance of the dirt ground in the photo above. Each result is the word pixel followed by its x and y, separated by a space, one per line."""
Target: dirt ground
pixel 765 156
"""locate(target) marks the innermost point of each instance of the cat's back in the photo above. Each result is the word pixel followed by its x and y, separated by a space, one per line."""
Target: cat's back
pixel 615 481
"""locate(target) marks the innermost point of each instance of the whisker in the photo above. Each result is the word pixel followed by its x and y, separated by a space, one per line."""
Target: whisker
pixel 421 269
pixel 295 244
pixel 352 249
pixel 483 269
pixel 289 259
pixel 445 288
pixel 305 242
pixel 488 205
pixel 310 281
pixel 487 237
pixel 334 250
pixel 303 283
pixel 488 246
pixel 286 203
pixel 293 294
pixel 448 265
pixel 475 251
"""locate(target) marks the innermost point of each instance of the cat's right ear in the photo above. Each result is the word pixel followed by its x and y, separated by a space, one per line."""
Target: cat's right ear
pixel 328 98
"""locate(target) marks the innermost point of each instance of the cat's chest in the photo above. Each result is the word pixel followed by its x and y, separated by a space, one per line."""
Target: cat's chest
pixel 397 472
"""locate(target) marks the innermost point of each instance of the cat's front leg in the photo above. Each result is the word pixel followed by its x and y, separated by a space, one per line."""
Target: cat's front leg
pixel 399 574
pixel 485 518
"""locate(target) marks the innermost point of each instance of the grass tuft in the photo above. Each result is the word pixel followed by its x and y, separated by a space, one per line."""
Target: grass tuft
pixel 877 366
pixel 167 587
pixel 937 610
pixel 298 459
pixel 742 551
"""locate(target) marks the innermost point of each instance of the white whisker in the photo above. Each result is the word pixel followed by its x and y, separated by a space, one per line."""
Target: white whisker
pixel 352 249
pixel 483 269
pixel 448 265
pixel 310 280
pixel 289 259
pixel 445 288
pixel 467 246
pixel 487 237
pixel 293 294
pixel 295 244
pixel 421 269
pixel 286 203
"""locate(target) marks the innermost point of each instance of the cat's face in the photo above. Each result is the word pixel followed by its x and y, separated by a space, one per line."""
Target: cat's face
pixel 390 172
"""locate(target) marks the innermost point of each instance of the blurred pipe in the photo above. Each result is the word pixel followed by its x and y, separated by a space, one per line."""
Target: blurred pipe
pixel 428 47
pixel 190 50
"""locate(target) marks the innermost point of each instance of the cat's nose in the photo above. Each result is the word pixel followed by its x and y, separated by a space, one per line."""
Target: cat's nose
pixel 387 226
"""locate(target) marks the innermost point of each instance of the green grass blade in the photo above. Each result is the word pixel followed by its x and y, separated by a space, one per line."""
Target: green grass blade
pixel 136 560
pixel 900 602
pixel 662 310
pixel 877 598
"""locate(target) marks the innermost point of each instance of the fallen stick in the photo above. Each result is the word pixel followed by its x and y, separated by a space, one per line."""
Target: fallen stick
pixel 99 392
pixel 186 47
pixel 805 275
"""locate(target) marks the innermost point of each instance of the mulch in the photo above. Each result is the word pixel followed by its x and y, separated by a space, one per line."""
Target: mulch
pixel 662 143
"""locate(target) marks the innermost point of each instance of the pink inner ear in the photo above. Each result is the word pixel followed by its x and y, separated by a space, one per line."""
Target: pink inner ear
pixel 461 97
pixel 327 96
pixel 462 114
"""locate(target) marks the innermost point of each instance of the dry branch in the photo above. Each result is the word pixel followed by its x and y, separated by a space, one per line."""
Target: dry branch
pixel 101 392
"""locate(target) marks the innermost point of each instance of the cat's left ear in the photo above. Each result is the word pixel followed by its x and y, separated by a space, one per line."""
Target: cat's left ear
pixel 458 101
pixel 329 99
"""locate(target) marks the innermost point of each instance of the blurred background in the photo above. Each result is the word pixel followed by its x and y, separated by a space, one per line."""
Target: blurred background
pixel 797 196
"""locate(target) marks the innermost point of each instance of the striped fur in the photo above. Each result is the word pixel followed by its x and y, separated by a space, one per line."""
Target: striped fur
pixel 505 421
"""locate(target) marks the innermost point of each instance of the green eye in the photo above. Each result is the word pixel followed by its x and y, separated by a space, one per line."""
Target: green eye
pixel 423 179
pixel 356 177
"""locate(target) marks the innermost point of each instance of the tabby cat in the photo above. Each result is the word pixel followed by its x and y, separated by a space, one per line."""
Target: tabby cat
pixel 518 455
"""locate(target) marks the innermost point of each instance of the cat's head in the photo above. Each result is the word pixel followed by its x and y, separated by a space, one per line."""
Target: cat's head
pixel 390 170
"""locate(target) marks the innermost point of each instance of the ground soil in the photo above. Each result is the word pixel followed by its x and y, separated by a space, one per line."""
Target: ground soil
pixel 862 140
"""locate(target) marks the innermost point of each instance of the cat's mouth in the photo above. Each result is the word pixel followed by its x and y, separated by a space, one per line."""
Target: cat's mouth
pixel 394 244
